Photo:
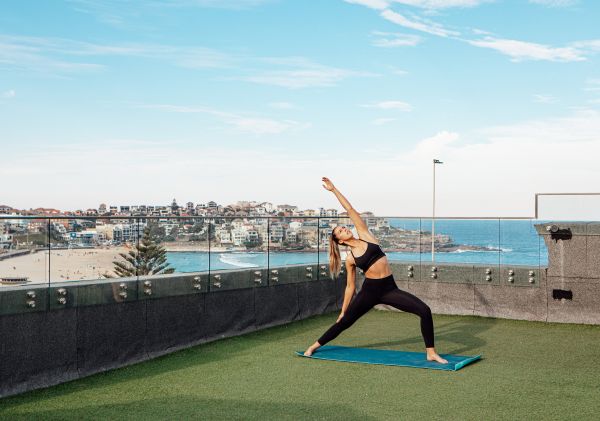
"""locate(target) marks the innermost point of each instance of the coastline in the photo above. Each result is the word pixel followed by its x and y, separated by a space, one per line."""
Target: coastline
pixel 67 264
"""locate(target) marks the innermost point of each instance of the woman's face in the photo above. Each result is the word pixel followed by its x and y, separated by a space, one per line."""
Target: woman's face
pixel 342 233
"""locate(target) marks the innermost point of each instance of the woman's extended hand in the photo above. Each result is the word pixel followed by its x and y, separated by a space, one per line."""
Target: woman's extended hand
pixel 328 184
pixel 340 318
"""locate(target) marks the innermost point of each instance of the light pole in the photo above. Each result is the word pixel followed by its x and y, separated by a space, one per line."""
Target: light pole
pixel 435 161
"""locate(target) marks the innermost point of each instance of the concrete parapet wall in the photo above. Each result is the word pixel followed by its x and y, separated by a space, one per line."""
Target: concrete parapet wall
pixel 113 323
pixel 573 269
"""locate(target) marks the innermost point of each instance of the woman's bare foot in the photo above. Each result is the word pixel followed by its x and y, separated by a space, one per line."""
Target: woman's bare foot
pixel 433 356
pixel 311 349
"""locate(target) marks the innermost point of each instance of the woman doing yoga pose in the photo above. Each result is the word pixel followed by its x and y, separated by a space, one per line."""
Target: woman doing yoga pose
pixel 379 286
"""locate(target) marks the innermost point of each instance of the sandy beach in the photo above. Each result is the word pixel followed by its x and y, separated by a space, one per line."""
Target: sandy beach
pixel 73 264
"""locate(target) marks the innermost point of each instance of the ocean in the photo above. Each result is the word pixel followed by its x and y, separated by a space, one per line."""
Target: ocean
pixel 504 242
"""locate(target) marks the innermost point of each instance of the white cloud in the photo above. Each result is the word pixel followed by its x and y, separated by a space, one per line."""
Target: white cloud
pixel 38 54
pixel 423 4
pixel 9 94
pixel 241 123
pixel 64 55
pixel 300 72
pixel 441 4
pixel 434 146
pixel 417 24
pixel 521 50
pixel 390 105
pixel 478 31
pixel 394 39
pixel 516 49
pixel 592 44
pixel 373 4
pixel 399 72
pixel 544 99
pixel 592 85
pixel 581 126
pixel 555 3
pixel 382 121
pixel 221 4
pixel 129 13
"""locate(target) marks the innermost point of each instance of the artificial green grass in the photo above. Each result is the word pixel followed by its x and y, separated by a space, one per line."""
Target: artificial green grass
pixel 529 371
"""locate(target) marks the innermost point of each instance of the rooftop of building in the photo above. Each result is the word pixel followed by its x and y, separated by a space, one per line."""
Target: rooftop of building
pixel 529 370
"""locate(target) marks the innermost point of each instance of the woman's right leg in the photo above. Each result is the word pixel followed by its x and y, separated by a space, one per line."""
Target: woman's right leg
pixel 363 302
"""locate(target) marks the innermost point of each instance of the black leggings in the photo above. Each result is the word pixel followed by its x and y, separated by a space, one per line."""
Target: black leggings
pixel 382 291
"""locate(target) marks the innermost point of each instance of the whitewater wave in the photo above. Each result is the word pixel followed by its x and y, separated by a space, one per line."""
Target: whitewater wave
pixel 231 260
pixel 503 249
pixel 490 249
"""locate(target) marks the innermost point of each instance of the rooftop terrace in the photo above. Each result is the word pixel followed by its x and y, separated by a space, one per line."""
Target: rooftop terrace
pixel 530 370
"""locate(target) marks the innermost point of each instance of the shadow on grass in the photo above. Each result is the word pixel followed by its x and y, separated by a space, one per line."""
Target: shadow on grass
pixel 457 336
pixel 187 407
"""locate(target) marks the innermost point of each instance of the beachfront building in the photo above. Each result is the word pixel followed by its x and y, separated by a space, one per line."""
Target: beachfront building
pixel 292 236
pixel 262 227
pixel 276 233
pixel 382 223
pixel 6 241
pixel 295 226
pixel 252 236
pixel 369 219
pixel 190 208
pixel 287 210
pixel 259 211
pixel 105 232
pixel 16 225
pixel 86 238
pixel 268 206
pixel 125 233
pixel 6 210
pixel 224 236
pixel 60 228
pixel 170 228
pixel 309 235
pixel 238 236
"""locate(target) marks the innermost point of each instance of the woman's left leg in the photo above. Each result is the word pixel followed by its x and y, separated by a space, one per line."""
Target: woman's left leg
pixel 405 301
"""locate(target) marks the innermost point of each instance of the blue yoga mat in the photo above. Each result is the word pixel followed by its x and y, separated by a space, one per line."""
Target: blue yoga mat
pixel 388 357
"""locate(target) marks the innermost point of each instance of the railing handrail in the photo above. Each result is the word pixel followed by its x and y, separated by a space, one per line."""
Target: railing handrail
pixel 46 217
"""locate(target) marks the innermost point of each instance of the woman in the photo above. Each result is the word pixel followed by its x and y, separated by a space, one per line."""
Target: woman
pixel 379 286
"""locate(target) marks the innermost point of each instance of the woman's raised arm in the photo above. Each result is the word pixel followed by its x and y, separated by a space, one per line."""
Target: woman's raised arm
pixel 352 213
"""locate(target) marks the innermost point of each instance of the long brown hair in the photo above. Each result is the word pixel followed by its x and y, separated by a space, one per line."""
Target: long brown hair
pixel 335 259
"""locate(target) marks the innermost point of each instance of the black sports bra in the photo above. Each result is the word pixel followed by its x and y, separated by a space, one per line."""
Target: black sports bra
pixel 370 256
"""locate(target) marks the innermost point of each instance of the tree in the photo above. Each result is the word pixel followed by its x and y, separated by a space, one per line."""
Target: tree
pixel 147 258
pixel 156 231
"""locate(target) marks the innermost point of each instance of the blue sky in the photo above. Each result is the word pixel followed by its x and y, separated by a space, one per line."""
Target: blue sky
pixel 125 102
